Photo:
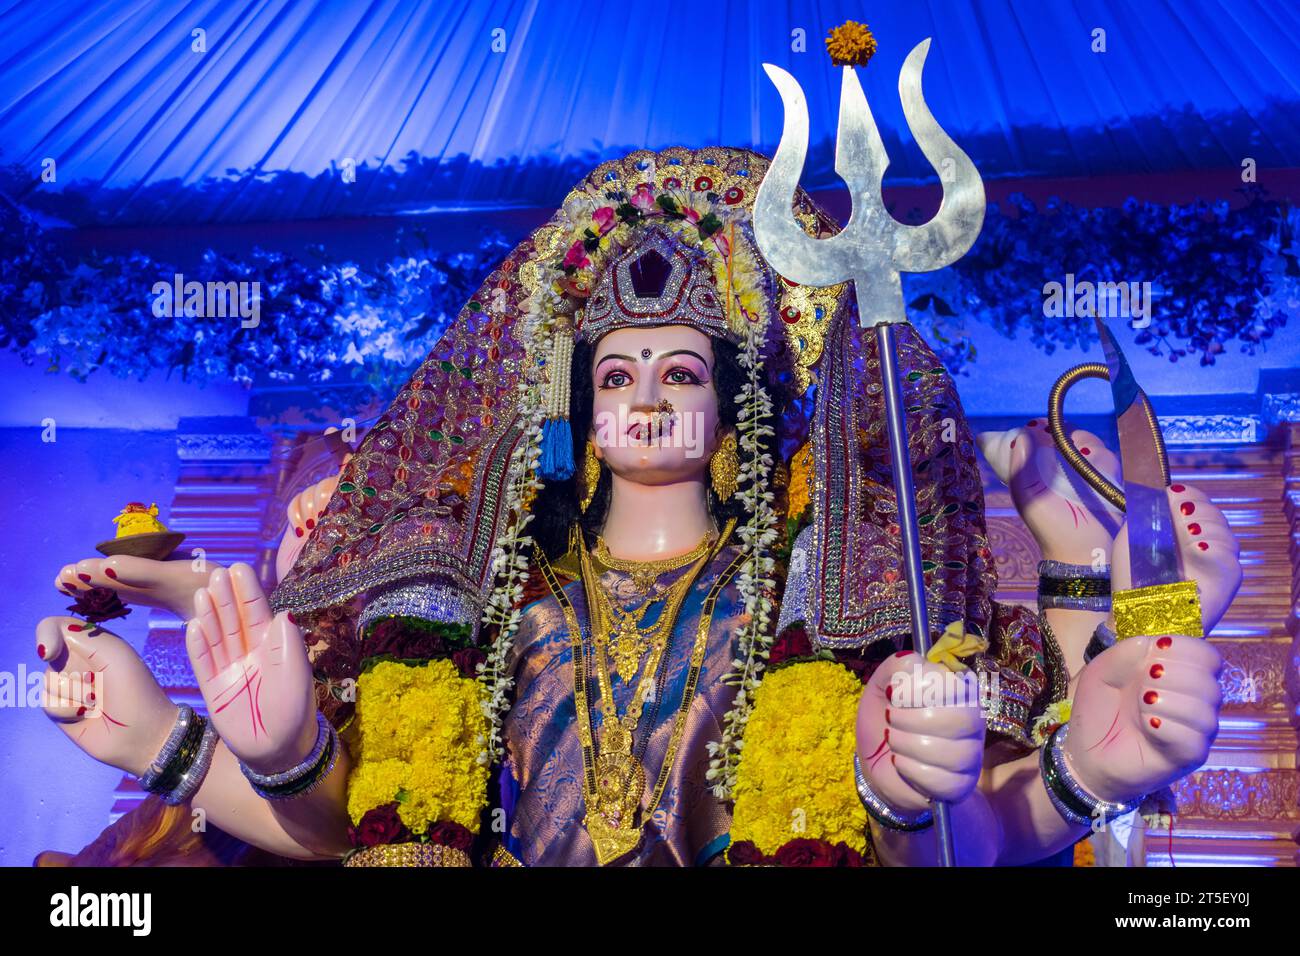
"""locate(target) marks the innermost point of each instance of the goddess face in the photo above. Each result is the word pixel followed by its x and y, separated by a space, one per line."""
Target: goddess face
pixel 655 411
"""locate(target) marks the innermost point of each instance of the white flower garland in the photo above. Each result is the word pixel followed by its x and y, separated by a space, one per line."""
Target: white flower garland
pixel 755 580
pixel 510 554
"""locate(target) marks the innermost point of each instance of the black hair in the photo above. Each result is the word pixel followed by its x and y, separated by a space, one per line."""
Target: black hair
pixel 558 505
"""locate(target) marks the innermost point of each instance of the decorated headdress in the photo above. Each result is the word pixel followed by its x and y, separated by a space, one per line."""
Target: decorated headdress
pixel 430 518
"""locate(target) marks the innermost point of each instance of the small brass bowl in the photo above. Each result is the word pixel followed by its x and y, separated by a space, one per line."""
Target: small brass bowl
pixel 154 545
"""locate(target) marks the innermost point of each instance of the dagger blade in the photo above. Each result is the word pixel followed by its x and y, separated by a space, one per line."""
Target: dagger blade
pixel 1153 554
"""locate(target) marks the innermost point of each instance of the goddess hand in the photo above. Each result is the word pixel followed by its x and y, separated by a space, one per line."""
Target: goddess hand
pixel 913 754
pixel 302 513
pixel 253 672
pixel 1068 526
pixel 169 585
pixel 1145 714
pixel 1207 550
pixel 102 695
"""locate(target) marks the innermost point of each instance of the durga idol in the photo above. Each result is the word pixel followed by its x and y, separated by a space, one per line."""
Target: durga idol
pixel 617 581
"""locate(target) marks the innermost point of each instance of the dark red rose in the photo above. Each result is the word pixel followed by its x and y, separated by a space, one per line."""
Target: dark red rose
pixel 792 643
pixel 404 639
pixel 98 605
pixel 451 834
pixel 745 853
pixel 467 660
pixel 845 855
pixel 379 827
pixel 804 852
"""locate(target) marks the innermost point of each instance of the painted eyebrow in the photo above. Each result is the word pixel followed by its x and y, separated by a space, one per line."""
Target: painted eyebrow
pixel 625 358
pixel 685 352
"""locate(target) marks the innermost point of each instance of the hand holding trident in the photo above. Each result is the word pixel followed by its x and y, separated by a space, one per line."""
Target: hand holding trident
pixel 872 250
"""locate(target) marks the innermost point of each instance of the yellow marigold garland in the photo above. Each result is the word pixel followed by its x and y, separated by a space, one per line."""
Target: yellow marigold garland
pixel 417 740
pixel 795 778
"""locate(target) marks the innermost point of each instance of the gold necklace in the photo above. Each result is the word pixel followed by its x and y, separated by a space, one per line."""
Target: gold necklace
pixel 645 573
pixel 621 628
pixel 615 780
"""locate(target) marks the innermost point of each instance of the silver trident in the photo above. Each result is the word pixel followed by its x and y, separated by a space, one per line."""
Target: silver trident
pixel 871 251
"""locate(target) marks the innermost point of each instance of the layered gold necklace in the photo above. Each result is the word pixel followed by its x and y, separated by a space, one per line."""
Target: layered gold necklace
pixel 614 779
pixel 620 629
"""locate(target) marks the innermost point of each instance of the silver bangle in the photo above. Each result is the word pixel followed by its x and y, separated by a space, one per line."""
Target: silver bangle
pixel 1071 800
pixel 1103 638
pixel 882 812
pixel 193 778
pixel 149 779
pixel 286 778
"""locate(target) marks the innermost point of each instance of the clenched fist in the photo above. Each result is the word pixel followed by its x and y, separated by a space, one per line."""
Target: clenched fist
pixel 913 754
pixel 1145 714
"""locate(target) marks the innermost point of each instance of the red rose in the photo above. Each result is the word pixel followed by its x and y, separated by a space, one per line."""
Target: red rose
pixel 379 827
pixel 452 835
pixel 98 605
pixel 467 660
pixel 745 853
pixel 804 852
pixel 793 642
pixel 845 855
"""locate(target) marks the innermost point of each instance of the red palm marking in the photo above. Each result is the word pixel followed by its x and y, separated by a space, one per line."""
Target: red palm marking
pixel 1107 734
pixel 239 692
pixel 257 705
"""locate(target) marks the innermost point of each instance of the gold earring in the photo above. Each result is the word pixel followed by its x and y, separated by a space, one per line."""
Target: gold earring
pixel 724 468
pixel 590 475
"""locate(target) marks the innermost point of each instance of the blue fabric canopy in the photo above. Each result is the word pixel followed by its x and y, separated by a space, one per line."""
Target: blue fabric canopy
pixel 443 104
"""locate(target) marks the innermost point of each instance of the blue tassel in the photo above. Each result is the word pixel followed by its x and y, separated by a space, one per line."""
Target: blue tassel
pixel 557 450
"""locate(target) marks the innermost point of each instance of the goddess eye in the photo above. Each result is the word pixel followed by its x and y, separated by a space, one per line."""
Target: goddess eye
pixel 681 376
pixel 616 379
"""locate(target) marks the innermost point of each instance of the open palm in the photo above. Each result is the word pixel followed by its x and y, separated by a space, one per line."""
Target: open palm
pixel 253 671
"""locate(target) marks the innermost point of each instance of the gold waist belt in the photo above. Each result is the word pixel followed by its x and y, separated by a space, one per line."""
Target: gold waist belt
pixel 409 854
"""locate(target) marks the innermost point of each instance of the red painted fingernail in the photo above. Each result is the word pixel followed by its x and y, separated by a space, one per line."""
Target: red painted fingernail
pixel 1193 528
pixel 886 735
pixel 311 523
pixel 1155 722
pixel 889 692
pixel 886 715
pixel 292 619
pixel 90 677
pixel 1150 697
pixel 1033 422
pixel 1013 443
pixel 111 573
pixel 1203 545
pixel 298 532
pixel 1165 643
pixel 40 652
pixel 76 627
pixel 1187 508
pixel 1157 671
pixel 84 577
pixel 1177 489
pixel 904 653
pixel 90 697
pixel 81 711
pixel 1085 451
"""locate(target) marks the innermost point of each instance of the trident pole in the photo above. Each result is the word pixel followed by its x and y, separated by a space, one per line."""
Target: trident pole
pixel 871 251
pixel 901 464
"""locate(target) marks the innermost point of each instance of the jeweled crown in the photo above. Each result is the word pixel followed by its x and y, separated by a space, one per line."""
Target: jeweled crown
pixel 659 281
